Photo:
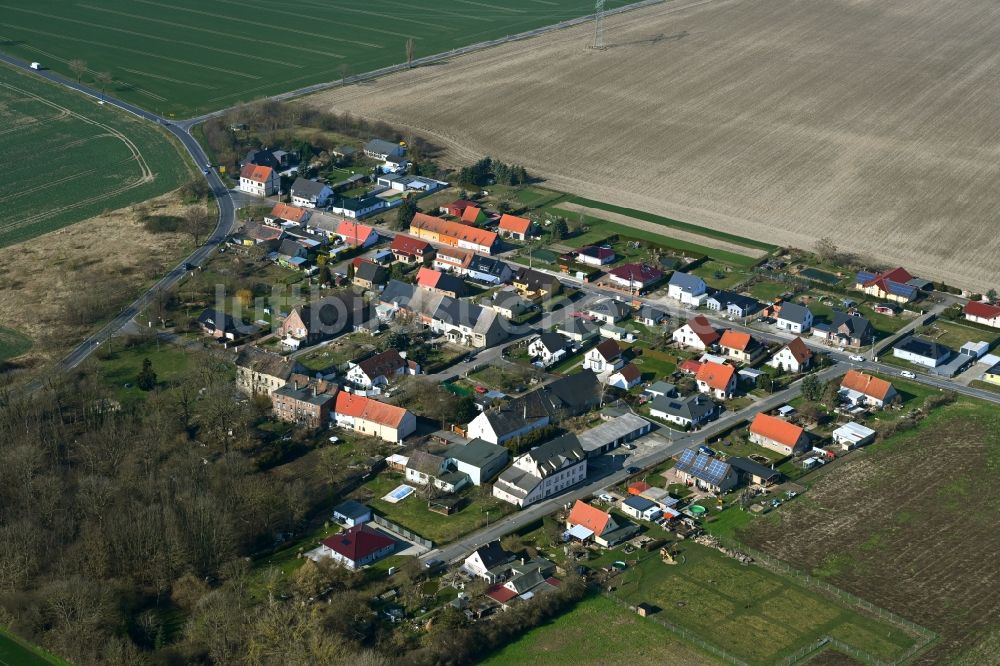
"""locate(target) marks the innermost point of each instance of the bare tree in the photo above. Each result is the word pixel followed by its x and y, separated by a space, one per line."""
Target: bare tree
pixel 826 249
pixel 105 79
pixel 78 67
pixel 343 74
pixel 197 222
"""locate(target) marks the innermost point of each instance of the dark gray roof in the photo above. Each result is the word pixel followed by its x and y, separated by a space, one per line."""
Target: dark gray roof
pixel 552 341
pixel 493 554
pixel 922 347
pixel 686 281
pixel 397 293
pixel 553 454
pixel 450 283
pixel 694 407
pixel 639 503
pixel 535 279
pixel 303 187
pixel 424 462
pixel 649 312
pixel 309 392
pixel 611 307
pixel 219 320
pixel 578 392
pixel 727 298
pixel 290 248
pixel 702 467
pixel 383 146
pixel 351 509
pixel 478 453
pixel 261 157
pixel 265 362
pixel 578 326
pixel 748 466
pixel 510 300
pixel 858 326
pixel 489 265
pixel 372 272
pixel 794 313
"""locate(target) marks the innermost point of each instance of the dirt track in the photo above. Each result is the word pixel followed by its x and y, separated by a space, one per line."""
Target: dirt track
pixel 874 123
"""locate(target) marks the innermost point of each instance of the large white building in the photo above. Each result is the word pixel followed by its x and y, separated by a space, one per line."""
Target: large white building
pixel 542 472
pixel 259 181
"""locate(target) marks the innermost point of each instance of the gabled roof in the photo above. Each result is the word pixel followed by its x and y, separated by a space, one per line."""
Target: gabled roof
pixel 856 325
pixel 425 462
pixel 350 404
pixel 799 351
pixel 385 364
pixel 590 517
pixel 701 327
pixel 687 282
pixel 493 554
pixel 262 232
pixel 354 233
pixel 409 245
pixel 429 278
pixel 552 455
pixel 693 408
pixel 609 350
pixel 776 429
pixel 383 147
pixel 630 373
pixel 601 253
pixel 922 347
pixel 689 366
pixel 456 256
pixel 736 340
pixel 383 413
pixel 718 376
pixel 701 466
pixel 866 384
pixel 983 310
pixel 891 282
pixel 794 313
pixel 514 224
pixel 357 543
pixel 478 453
pixel 285 211
pixel 535 279
pixel 460 204
pixel 455 230
pixel 307 189
pixel 265 362
pixel 370 271
pixel 643 273
pixel 470 214
pixel 727 298
pixel 489 265
pixel 553 342
pixel 611 307
pixel 256 173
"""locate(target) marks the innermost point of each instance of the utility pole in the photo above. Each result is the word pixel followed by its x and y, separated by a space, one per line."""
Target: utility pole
pixel 599 25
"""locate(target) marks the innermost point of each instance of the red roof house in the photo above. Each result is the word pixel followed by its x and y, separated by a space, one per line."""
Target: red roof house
pixel 635 276
pixel 982 313
pixel 356 547
pixel 777 434
pixel 514 227
pixel 410 250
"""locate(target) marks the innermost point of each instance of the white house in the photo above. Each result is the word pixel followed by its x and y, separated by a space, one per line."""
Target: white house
pixel 604 358
pixel 688 289
pixel 310 194
pixel 793 357
pixel 381 369
pixel 260 181
pixel 697 333
pixel 351 513
pixel 852 435
pixel 641 508
pixel 609 311
pixel 548 348
pixel 542 472
pixel 689 412
pixel 982 313
pixel 355 547
pixel 625 378
pixel 488 561
pixel 794 318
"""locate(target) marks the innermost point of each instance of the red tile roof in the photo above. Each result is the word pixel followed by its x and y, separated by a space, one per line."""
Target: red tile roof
pixel 454 230
pixel 515 224
pixel 716 375
pixel 642 273
pixel 291 213
pixel 470 214
pixel 799 351
pixel 689 366
pixel 500 593
pixel 776 429
pixel 357 543
pixel 638 488
pixel 609 349
pixel 701 327
pixel 735 340
pixel 589 516
pixel 409 245
pixel 630 373
pixel 350 404
pixel 983 310
pixel 256 173
pixel 455 256
pixel 899 274
pixel 354 233
pixel 867 384
pixel 361 407
pixel 428 277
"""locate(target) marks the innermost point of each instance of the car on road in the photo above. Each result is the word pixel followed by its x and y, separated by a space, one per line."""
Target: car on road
pixel 632 470
pixel 205 170
pixel 908 374
pixel 857 358
pixel 36 65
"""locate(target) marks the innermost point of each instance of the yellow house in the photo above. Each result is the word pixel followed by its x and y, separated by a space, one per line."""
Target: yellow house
pixel 992 376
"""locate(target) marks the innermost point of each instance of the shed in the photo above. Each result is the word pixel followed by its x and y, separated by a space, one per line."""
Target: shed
pixel 351 513
pixel 851 435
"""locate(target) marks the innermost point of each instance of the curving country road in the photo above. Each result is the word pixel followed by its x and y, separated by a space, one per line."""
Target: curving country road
pixel 223 226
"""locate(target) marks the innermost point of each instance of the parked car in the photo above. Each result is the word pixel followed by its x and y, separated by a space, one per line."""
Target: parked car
pixel 480 390
pixel 632 470
pixel 908 374
pixel 857 358
pixel 707 451
pixel 433 564
pixel 629 446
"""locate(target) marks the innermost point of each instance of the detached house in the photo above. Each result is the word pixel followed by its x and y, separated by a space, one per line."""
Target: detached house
pixel 858 388
pixel 260 181
pixel 535 285
pixel 354 548
pixel 586 523
pixel 456 208
pixel 423 468
pixel 605 358
pixel 793 357
pixel 308 324
pixel 369 275
pixel 489 562
pixel 635 277
pixel 688 289
pixel 593 255
pixel 849 330
pixel 626 378
pixel 697 333
pixel 577 329
pixel 648 315
pixel 705 472
pixel 736 306
pixel 794 317
pixel 982 313
pixel 379 149
pixel 896 285
pixel 689 412
pixel 381 369
pixel 922 352
pixel 511 226
pixel 307 193
pixel 220 325
pixel 548 348
pixel 479 460
pixel 778 435
pixel 717 380
pixel 409 250
pixel 543 471
pixel 609 311
pixel 508 303
pixel 741 347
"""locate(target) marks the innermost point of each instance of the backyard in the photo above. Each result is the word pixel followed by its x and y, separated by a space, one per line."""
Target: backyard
pixel 121 368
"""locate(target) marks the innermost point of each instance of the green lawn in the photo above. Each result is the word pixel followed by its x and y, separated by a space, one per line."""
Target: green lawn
pixel 986 386
pixel 720 275
pixel 183 57
pixel 12 344
pixel 766 291
pixel 598 631
pixel 17 652
pixel 757 615
pixel 654 365
pixel 413 514
pixel 68 158
pixel 169 363
pixel 953 334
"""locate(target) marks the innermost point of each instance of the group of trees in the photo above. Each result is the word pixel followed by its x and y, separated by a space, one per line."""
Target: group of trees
pixel 488 170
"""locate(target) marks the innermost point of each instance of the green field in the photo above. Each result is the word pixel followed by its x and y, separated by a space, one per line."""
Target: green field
pixel 598 631
pixel 755 614
pixel 15 652
pixel 69 158
pixel 12 344
pixel 183 57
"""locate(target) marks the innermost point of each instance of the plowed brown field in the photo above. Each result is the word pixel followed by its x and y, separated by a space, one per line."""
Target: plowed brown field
pixel 875 123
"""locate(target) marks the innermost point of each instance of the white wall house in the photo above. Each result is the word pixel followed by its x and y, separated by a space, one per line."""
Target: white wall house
pixel 260 181
pixel 542 472
pixel 688 289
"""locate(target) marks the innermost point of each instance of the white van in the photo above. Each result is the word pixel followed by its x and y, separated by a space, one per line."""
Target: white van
pixel 36 65
pixel 908 374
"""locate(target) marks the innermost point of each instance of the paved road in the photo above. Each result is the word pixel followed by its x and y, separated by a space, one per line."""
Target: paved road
pixel 664 448
pixel 224 225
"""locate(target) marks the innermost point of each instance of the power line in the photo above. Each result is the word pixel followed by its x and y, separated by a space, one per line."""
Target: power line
pixel 599 25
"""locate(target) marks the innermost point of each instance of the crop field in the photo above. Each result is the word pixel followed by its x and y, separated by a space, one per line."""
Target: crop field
pixel 67 158
pixel 598 631
pixel 179 58
pixel 756 615
pixel 910 525
pixel 873 123
pixel 15 652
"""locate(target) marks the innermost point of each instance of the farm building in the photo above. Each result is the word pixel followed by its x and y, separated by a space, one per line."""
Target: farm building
pixel 852 435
